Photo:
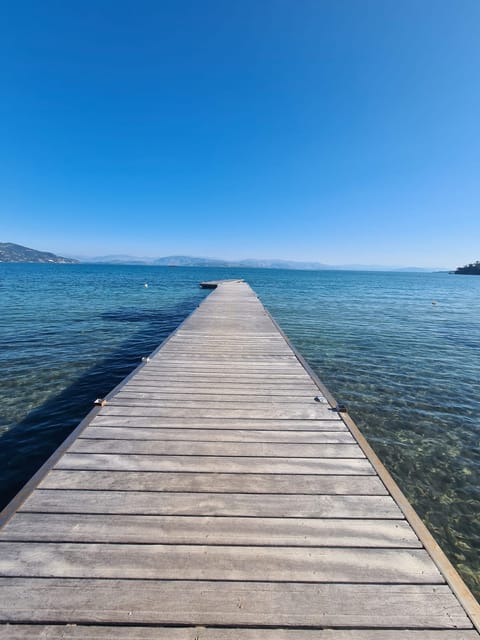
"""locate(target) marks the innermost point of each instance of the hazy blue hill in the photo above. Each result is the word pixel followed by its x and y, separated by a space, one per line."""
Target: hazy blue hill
pixel 189 261
pixel 10 252
pixel 281 264
pixel 250 263
pixel 116 259
pixel 195 261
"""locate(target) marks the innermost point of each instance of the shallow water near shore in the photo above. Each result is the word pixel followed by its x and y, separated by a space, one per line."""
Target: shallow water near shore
pixel 407 369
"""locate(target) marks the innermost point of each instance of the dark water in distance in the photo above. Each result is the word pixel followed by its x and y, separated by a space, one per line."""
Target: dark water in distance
pixel 407 369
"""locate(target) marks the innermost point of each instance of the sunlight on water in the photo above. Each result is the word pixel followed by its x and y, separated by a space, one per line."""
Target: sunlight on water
pixel 407 369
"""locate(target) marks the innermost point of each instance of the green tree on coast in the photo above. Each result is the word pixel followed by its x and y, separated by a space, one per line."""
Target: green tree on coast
pixel 472 269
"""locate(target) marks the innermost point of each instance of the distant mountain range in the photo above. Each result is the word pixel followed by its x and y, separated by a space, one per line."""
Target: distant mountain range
pixel 191 261
pixel 10 252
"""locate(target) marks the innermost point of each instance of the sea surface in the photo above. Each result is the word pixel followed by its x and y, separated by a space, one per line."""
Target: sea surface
pixel 401 350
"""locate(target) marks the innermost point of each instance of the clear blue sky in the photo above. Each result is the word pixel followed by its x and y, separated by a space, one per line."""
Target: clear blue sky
pixel 343 131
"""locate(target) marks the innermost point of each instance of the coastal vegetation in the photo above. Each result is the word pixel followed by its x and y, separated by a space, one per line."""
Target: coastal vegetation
pixel 472 269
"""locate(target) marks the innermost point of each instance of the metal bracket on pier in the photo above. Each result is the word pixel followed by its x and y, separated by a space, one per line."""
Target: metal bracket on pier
pixel 340 408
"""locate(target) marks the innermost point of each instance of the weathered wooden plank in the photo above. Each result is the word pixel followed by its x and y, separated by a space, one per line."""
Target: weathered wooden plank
pixel 301 532
pixel 183 336
pixel 216 448
pixel 213 482
pixel 149 434
pixel 201 387
pixel 245 604
pixel 335 634
pixel 222 380
pixel 247 390
pixel 213 358
pixel 203 343
pixel 219 372
pixel 125 398
pixel 214 336
pixel 267 350
pixel 227 376
pixel 248 329
pixel 223 344
pixel 299 377
pixel 255 411
pixel 233 343
pixel 298 381
pixel 216 368
pixel 224 353
pixel 209 349
pixel 174 355
pixel 248 325
pixel 190 398
pixel 212 504
pixel 212 344
pixel 114 418
pixel 224 464
pixel 203 340
pixel 217 562
pixel 224 356
pixel 208 344
pixel 281 364
pixel 211 338
pixel 90 632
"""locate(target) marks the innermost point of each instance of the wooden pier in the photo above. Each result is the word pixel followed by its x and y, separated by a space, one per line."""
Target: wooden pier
pixel 218 495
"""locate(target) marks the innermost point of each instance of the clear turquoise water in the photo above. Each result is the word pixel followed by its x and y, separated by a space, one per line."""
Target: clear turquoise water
pixel 408 370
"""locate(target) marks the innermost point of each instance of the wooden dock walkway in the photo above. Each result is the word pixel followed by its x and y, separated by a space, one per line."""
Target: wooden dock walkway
pixel 212 497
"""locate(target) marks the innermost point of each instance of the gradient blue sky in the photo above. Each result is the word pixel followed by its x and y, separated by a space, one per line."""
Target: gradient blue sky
pixel 343 131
